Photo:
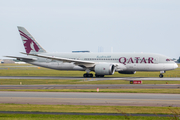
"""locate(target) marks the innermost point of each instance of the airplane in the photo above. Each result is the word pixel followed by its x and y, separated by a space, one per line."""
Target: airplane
pixel 100 63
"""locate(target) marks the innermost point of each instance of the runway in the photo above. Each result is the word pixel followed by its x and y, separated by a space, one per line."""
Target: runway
pixel 81 78
pixel 105 86
pixel 106 99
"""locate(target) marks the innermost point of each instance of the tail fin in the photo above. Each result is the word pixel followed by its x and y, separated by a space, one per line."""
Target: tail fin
pixel 30 44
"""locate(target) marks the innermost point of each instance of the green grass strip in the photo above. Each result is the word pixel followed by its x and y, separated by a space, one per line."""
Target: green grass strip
pixel 84 81
pixel 75 117
pixel 89 109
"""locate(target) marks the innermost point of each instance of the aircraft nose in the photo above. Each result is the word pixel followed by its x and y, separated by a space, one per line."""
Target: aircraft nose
pixel 175 66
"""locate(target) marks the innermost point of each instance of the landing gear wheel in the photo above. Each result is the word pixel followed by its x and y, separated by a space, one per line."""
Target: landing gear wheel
pixel 161 75
pixel 91 75
pixel 87 75
pixel 99 75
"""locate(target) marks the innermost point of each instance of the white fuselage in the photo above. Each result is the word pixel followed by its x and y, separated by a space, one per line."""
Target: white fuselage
pixel 125 61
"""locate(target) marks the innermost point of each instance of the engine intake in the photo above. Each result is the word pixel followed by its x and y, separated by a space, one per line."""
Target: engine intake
pixel 104 69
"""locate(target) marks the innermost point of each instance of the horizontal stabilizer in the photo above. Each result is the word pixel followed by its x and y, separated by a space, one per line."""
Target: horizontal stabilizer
pixel 22 58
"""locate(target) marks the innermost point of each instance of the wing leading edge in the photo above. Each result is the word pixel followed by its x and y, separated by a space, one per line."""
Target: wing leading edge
pixel 86 64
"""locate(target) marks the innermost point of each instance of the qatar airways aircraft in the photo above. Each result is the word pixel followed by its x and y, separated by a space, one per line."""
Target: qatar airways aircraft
pixel 100 63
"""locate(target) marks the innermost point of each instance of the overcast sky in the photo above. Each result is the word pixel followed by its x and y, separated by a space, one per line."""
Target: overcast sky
pixel 151 26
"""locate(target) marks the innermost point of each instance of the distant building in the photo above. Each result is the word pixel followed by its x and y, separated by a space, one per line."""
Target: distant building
pixel 18 62
pixel 86 51
pixel 7 61
pixel 1 61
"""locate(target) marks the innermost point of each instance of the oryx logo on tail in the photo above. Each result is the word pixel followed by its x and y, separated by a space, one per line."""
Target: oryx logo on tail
pixel 29 43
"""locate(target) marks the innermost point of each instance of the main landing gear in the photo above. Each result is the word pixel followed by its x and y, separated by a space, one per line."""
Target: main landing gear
pixel 99 75
pixel 161 74
pixel 87 75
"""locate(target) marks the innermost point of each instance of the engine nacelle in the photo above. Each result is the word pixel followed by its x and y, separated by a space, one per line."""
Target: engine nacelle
pixel 127 72
pixel 104 69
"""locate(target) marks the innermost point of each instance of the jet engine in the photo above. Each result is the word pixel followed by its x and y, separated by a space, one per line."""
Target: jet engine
pixel 127 72
pixel 104 69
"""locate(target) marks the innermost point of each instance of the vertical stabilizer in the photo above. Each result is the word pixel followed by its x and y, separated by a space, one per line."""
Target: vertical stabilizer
pixel 30 44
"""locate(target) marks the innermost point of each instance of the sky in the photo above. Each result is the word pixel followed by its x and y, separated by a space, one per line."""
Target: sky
pixel 148 26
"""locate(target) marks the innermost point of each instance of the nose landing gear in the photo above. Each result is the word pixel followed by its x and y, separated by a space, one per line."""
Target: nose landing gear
pixel 161 74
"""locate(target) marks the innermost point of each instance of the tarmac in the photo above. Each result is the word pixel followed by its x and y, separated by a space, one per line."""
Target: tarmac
pixel 76 98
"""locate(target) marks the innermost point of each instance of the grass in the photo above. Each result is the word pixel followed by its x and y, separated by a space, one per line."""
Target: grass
pixel 84 81
pixel 89 109
pixel 6 70
pixel 85 109
pixel 165 91
pixel 75 117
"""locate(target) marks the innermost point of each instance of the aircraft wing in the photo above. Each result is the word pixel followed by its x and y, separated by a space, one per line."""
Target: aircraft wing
pixel 22 58
pixel 77 62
